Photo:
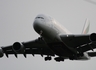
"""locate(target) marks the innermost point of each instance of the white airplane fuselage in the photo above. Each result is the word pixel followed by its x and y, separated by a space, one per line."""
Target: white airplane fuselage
pixel 48 28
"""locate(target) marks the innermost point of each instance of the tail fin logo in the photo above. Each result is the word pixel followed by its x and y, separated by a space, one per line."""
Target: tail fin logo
pixel 86 27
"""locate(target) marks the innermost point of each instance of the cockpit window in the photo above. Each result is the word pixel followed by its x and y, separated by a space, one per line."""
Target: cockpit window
pixel 40 17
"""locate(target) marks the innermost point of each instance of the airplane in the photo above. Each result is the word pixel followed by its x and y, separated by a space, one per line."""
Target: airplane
pixel 55 41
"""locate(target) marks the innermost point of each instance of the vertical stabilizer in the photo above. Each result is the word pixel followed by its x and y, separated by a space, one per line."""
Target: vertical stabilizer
pixel 86 27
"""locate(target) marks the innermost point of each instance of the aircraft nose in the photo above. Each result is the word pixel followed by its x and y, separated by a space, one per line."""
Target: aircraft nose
pixel 39 20
pixel 38 24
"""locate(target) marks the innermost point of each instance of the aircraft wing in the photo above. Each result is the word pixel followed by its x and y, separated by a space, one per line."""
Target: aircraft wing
pixel 37 46
pixel 80 43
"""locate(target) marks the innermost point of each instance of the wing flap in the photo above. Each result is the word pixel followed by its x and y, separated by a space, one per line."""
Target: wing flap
pixel 87 47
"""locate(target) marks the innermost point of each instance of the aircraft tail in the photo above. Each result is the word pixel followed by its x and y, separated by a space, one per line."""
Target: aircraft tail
pixel 86 27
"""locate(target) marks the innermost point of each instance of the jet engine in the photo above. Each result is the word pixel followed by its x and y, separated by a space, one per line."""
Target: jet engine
pixel 18 47
pixel 1 53
pixel 92 37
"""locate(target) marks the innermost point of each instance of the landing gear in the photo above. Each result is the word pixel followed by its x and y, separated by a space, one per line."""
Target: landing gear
pixel 58 59
pixel 75 57
pixel 71 58
pixel 48 58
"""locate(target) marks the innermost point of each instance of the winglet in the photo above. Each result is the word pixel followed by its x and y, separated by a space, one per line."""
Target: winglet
pixel 86 27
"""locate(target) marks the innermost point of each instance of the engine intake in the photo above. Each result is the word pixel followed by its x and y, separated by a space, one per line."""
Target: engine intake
pixel 1 53
pixel 93 37
pixel 18 47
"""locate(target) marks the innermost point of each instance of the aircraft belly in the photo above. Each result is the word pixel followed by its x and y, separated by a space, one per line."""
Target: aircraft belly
pixel 60 50
pixel 47 32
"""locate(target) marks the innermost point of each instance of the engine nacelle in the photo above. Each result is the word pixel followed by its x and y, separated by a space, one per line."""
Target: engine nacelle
pixel 1 53
pixel 18 47
pixel 92 37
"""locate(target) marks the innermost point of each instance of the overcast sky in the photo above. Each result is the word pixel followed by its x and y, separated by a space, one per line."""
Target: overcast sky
pixel 16 20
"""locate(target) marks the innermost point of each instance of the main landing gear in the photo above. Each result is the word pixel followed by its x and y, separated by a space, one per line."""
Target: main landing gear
pixel 48 58
pixel 58 59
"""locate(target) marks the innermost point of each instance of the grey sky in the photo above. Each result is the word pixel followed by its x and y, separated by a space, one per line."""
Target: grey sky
pixel 16 19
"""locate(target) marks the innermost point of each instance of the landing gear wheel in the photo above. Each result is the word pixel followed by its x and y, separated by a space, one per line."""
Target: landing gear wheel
pixel 48 58
pixel 58 59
